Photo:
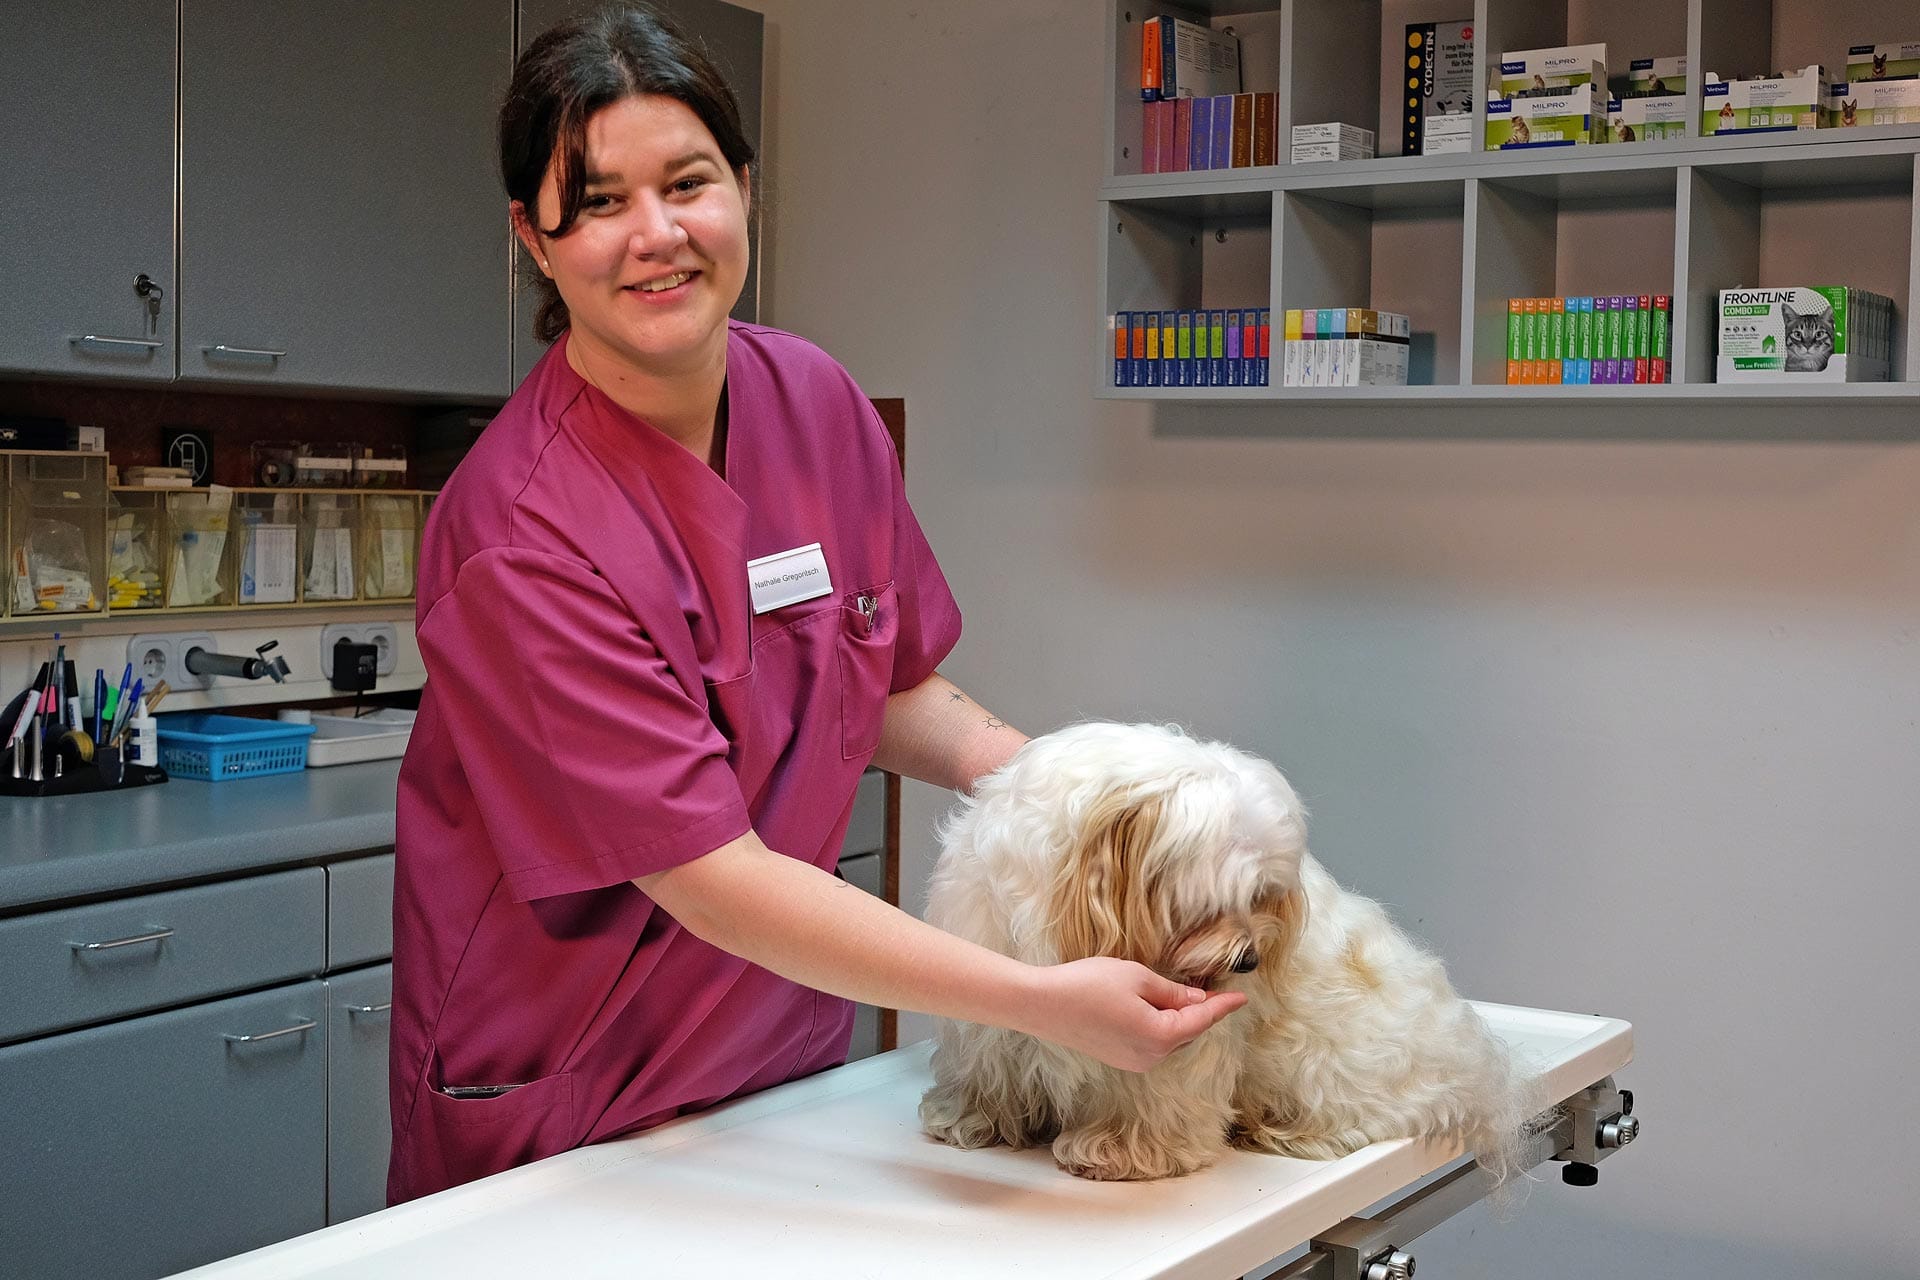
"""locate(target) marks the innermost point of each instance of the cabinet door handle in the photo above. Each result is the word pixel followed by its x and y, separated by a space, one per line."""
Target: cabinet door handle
pixel 155 936
pixel 221 349
pixel 369 1008
pixel 294 1030
pixel 95 340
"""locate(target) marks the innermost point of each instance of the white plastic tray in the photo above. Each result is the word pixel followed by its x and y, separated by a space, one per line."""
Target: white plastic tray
pixel 381 735
pixel 830 1177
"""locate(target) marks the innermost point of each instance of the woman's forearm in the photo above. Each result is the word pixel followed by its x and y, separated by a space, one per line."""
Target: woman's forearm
pixel 936 733
pixel 815 929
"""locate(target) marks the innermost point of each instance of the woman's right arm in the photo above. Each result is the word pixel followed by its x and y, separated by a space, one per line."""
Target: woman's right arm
pixel 813 928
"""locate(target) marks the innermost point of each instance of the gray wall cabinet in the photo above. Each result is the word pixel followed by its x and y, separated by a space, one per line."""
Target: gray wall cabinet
pixel 341 224
pixel 146 1146
pixel 87 91
pixel 735 39
pixel 141 1142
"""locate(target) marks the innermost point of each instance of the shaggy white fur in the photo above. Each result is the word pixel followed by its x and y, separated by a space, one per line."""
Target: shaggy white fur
pixel 1190 857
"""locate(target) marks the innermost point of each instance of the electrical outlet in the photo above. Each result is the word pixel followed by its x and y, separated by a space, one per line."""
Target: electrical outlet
pixel 380 635
pixel 178 677
pixel 151 657
pixel 164 657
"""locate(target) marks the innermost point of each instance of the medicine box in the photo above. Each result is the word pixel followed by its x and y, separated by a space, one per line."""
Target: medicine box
pixel 1447 134
pixel 1345 135
pixel 1570 118
pixel 1818 333
pixel 1541 70
pixel 1866 102
pixel 1883 61
pixel 1657 75
pixel 1437 108
pixel 1647 119
pixel 1197 61
pixel 1794 101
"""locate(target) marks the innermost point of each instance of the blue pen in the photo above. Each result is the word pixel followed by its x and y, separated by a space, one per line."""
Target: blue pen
pixel 127 710
pixel 99 703
pixel 120 698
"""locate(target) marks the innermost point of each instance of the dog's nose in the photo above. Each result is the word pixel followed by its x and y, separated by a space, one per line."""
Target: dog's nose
pixel 1246 962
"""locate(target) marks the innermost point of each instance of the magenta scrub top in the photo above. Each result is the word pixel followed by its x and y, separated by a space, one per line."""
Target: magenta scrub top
pixel 602 702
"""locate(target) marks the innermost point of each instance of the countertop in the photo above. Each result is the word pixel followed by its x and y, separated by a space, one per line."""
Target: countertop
pixel 830 1177
pixel 57 848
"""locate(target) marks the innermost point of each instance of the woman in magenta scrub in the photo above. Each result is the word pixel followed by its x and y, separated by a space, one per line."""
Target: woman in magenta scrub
pixel 671 606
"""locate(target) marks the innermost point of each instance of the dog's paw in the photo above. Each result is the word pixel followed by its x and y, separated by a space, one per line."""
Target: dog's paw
pixel 1102 1155
pixel 947 1115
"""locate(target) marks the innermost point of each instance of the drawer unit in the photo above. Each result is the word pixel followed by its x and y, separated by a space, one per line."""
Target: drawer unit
pixel 359 911
pixel 163 1142
pixel 359 1131
pixel 81 965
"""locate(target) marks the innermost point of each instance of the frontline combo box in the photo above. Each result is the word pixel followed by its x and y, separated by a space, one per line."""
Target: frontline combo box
pixel 1817 333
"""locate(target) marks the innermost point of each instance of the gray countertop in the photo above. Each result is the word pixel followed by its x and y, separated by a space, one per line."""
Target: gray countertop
pixel 62 847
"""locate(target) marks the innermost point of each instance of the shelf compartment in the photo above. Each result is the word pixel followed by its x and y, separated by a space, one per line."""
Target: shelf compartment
pixel 1184 253
pixel 1257 23
pixel 1533 236
pixel 55 518
pixel 1843 220
pixel 1402 253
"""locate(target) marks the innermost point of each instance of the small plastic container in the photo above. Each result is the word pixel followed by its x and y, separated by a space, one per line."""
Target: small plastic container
pixel 380 466
pixel 269 547
pixel 325 466
pixel 217 748
pixel 200 559
pixel 381 735
pixel 389 544
pixel 136 549
pixel 329 545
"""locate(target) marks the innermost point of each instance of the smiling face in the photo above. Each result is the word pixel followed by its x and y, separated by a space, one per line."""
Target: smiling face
pixel 658 256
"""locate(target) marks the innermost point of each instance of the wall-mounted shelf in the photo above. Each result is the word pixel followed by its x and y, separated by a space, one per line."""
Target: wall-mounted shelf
pixel 1448 239
pixel 77 548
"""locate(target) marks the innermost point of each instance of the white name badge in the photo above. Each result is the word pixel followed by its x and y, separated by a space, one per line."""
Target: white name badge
pixel 788 577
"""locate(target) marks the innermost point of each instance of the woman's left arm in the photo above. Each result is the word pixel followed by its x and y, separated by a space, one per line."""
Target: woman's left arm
pixel 937 734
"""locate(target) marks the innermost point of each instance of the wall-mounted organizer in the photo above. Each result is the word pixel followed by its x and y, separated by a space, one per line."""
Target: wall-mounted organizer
pixel 77 546
pixel 1448 239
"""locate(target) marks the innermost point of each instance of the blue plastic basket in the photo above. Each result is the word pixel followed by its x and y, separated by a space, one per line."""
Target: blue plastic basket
pixel 214 748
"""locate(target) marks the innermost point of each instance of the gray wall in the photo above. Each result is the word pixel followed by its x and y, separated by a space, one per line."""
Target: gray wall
pixel 1625 727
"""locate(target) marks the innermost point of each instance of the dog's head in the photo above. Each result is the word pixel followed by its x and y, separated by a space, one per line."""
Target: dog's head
pixel 1179 854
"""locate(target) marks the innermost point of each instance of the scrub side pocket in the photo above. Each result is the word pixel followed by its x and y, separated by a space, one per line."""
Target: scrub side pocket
pixel 479 1136
pixel 869 626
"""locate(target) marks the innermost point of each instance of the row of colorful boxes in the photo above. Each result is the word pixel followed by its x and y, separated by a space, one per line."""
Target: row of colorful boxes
pixel 1198 348
pixel 1612 339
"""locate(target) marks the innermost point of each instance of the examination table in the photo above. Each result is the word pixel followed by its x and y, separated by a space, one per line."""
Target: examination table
pixel 832 1177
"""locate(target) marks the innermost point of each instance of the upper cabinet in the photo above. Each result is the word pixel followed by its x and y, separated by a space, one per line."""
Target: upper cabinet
pixel 734 39
pixel 86 226
pixel 341 220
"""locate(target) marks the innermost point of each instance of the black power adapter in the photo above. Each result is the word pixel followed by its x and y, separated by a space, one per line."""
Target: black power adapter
pixel 355 667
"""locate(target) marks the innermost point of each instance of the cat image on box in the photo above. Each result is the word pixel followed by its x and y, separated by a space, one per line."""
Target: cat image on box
pixel 1809 339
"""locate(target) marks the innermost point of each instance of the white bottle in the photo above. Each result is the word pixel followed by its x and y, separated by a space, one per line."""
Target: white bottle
pixel 146 737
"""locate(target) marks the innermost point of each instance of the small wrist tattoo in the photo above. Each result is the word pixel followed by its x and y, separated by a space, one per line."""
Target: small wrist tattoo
pixel 995 722
pixel 956 696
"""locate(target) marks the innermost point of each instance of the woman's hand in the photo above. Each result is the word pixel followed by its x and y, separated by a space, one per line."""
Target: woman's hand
pixel 1122 1013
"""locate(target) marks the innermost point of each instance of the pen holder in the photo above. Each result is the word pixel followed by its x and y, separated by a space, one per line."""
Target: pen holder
pixel 108 770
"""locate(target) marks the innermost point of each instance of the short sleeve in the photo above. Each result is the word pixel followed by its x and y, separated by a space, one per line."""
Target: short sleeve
pixel 929 616
pixel 590 759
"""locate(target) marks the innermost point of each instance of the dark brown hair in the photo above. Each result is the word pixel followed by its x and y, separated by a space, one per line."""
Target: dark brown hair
pixel 572 71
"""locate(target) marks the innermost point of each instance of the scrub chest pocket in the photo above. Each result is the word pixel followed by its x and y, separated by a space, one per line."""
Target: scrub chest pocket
pixel 869 628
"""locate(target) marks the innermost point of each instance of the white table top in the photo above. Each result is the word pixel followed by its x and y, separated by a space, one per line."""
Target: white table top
pixel 831 1177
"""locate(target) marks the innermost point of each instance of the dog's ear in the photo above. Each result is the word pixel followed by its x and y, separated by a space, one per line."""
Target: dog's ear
pixel 1282 919
pixel 1102 898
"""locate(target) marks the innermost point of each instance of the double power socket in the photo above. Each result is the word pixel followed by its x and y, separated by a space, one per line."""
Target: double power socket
pixel 163 656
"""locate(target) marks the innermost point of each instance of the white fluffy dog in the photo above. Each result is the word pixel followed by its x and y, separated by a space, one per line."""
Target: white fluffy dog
pixel 1190 857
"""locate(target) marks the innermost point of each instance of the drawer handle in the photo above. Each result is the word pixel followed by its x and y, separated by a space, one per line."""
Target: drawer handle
pixel 222 349
pixel 96 340
pixel 369 1008
pixel 155 936
pixel 294 1030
